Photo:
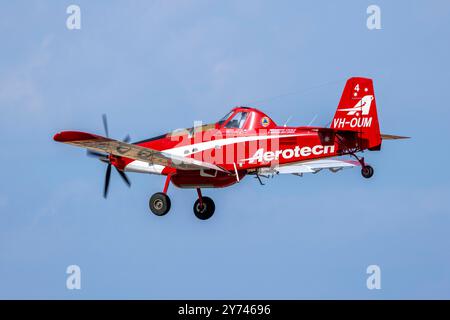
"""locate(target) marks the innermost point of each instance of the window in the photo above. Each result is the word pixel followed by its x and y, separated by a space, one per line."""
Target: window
pixel 225 118
pixel 237 122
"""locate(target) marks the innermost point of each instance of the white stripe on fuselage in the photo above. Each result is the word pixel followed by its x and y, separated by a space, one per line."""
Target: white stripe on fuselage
pixel 202 146
pixel 144 167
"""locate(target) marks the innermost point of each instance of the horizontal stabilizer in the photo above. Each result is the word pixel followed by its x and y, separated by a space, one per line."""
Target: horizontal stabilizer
pixel 392 137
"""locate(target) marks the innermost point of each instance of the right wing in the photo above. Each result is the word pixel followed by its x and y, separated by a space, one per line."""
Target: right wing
pixel 98 143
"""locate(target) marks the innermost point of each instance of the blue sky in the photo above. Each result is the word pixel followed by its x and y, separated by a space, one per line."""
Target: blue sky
pixel 153 66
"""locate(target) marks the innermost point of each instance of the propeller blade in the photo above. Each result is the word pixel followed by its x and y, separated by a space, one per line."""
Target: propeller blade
pixel 105 125
pixel 127 138
pixel 124 177
pixel 107 177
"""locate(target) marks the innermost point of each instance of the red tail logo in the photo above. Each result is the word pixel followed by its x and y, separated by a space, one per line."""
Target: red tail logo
pixel 362 106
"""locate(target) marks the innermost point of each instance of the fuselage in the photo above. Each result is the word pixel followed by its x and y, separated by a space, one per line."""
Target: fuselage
pixel 238 148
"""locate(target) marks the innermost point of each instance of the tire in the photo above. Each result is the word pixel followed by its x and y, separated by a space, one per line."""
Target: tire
pixel 159 203
pixel 208 208
pixel 367 172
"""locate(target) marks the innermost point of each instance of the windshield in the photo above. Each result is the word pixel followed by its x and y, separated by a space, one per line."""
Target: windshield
pixel 238 121
pixel 221 121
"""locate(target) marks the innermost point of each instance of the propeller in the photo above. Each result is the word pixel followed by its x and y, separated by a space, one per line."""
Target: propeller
pixel 107 179
pixel 104 157
pixel 126 139
pixel 105 125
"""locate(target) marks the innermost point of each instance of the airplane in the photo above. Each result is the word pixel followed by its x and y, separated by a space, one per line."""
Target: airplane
pixel 244 142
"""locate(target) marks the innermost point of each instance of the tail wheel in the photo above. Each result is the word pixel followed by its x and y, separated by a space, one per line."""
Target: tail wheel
pixel 367 172
pixel 205 210
pixel 159 203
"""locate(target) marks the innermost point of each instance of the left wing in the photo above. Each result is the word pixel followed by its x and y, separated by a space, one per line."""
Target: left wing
pixel 98 143
pixel 313 166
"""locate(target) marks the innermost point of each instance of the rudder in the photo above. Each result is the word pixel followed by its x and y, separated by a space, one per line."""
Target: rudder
pixel 357 111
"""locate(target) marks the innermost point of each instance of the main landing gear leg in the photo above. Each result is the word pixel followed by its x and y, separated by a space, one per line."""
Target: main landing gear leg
pixel 366 170
pixel 204 207
pixel 159 203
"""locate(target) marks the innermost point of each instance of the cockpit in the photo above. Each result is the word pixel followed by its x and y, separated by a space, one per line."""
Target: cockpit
pixel 237 121
pixel 225 118
pixel 238 118
pixel 233 120
pixel 245 118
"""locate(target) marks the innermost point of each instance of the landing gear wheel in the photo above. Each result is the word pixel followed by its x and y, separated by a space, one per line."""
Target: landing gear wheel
pixel 159 203
pixel 206 210
pixel 367 172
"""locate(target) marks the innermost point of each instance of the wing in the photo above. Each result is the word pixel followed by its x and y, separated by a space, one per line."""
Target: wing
pixel 314 166
pixel 132 151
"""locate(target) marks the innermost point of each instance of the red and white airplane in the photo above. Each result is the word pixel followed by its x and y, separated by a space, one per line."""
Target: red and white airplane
pixel 244 142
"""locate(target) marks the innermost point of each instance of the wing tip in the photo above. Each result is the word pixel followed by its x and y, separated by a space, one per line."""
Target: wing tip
pixel 58 137
pixel 67 136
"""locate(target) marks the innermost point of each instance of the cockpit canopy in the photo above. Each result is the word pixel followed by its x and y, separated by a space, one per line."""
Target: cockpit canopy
pixel 239 118
pixel 245 118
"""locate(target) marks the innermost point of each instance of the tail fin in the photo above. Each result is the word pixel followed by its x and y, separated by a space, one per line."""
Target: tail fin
pixel 357 111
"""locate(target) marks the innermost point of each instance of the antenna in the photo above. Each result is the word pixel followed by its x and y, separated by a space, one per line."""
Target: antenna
pixel 313 119
pixel 296 92
pixel 289 119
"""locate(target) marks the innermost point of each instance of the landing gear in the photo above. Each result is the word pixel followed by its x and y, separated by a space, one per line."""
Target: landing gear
pixel 159 203
pixel 204 207
pixel 367 171
pixel 204 210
